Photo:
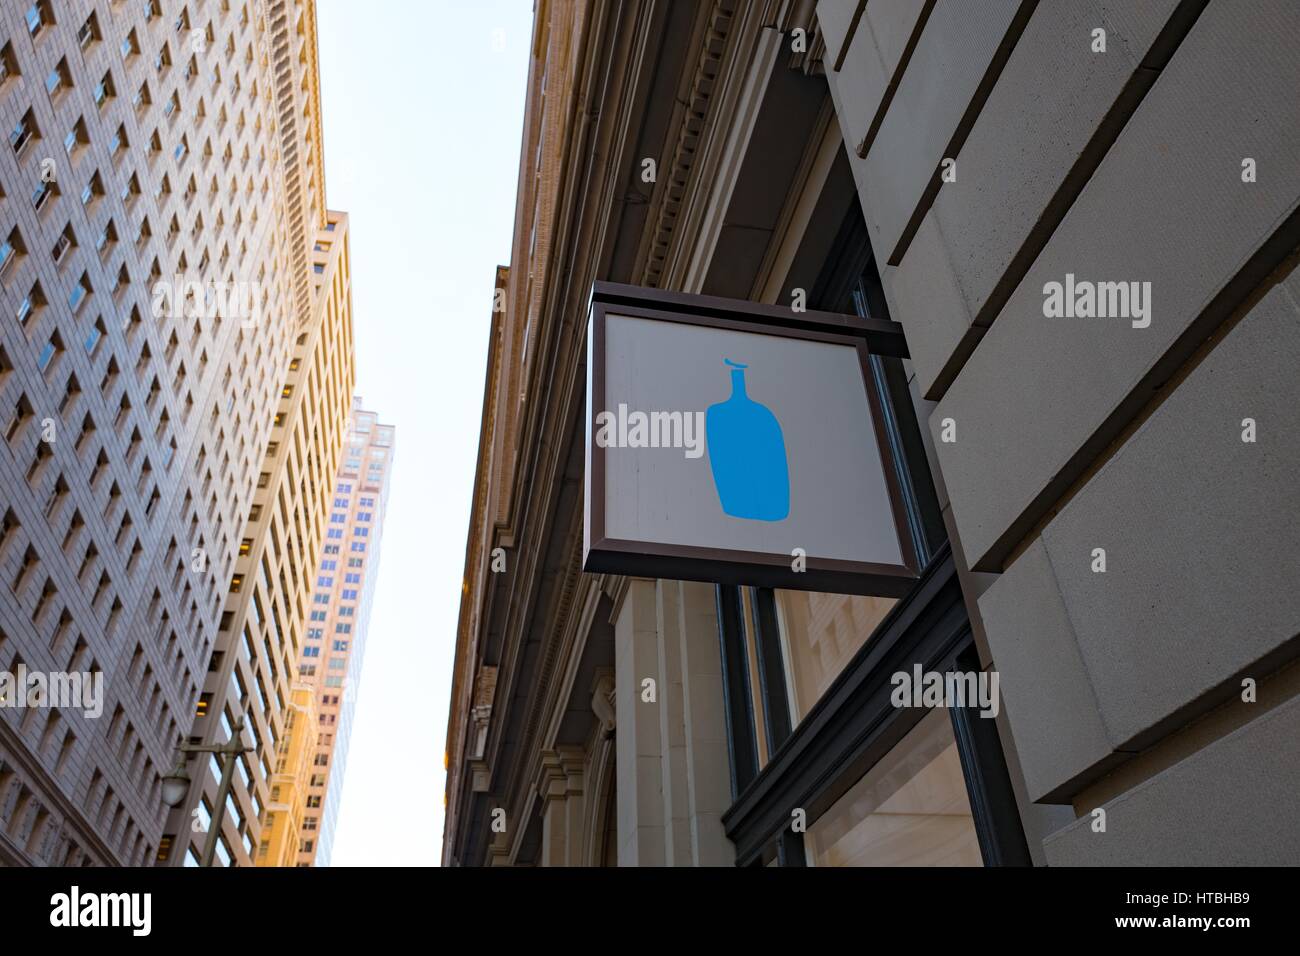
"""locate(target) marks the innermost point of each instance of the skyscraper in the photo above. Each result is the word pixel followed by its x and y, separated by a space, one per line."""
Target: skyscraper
pixel 175 371
pixel 331 658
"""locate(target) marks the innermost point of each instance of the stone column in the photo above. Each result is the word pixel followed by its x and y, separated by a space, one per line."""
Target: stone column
pixel 673 777
pixel 672 727
pixel 708 774
pixel 637 744
pixel 561 791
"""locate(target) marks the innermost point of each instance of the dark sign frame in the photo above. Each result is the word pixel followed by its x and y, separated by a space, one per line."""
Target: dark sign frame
pixel 602 554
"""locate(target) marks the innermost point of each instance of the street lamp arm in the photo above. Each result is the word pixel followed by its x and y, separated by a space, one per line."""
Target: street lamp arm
pixel 213 749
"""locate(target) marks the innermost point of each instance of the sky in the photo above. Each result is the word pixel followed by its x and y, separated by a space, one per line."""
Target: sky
pixel 423 109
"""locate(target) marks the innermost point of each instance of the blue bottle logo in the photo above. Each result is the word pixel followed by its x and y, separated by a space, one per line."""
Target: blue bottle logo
pixel 747 455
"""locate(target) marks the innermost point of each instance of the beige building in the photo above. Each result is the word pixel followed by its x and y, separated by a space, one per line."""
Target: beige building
pixel 283 815
pixel 175 373
pixel 1101 499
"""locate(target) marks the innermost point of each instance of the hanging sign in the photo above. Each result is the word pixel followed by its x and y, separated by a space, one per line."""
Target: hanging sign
pixel 740 443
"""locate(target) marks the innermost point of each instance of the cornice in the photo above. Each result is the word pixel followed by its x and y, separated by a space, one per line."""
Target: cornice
pixel 678 171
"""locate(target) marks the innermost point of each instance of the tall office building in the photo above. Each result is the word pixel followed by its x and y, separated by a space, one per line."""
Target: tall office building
pixel 331 658
pixel 174 379
pixel 260 633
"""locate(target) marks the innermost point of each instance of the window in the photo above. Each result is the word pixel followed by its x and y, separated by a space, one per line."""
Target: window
pixel 32 303
pixel 89 32
pixel 67 240
pixel 80 292
pixel 95 336
pixel 49 352
pixel 59 79
pixel 23 133
pixel 93 190
pixel 819 635
pixel 8 63
pixel 19 414
pixel 77 137
pixel 38 18
pixel 42 193
pixel 910 809
pixel 10 249
pixel 104 90
pixel 106 238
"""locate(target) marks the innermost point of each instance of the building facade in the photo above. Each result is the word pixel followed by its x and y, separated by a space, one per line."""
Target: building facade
pixel 1096 490
pixel 282 820
pixel 263 625
pixel 160 198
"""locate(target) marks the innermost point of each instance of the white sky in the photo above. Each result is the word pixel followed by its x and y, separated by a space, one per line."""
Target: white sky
pixel 423 104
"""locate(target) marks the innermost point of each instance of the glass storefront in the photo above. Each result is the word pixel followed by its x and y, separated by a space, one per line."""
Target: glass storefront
pixel 910 809
pixel 819 635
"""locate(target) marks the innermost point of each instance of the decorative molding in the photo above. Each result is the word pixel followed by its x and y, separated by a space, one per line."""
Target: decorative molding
pixel 602 700
pixel 677 172
pixel 485 686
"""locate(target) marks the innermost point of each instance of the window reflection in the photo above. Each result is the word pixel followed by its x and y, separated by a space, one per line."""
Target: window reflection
pixel 910 809
pixel 820 633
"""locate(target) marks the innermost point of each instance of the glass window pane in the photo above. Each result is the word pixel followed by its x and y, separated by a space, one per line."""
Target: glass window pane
pixel 820 633
pixel 910 809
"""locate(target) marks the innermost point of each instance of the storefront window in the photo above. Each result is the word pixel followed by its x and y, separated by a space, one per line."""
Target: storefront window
pixel 910 809
pixel 819 634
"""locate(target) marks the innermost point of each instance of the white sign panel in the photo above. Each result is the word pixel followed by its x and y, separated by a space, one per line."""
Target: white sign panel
pixel 728 450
